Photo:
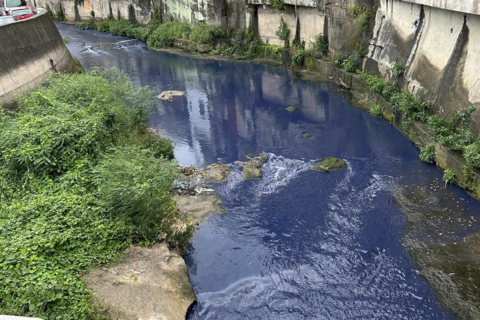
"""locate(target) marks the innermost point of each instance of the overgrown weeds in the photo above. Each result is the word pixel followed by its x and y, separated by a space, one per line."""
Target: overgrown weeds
pixel 81 177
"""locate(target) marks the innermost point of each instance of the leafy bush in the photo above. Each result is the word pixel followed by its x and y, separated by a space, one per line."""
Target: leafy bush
pixel 350 64
pixel 120 27
pixel 472 154
pixel 354 10
pixel 399 69
pixel 298 57
pixel 427 154
pixel 454 133
pixel 204 34
pixel 411 108
pixel 62 154
pixel 448 176
pixel 119 174
pixel 104 26
pixel 88 25
pixel 321 44
pixel 362 20
pixel 377 110
pixel 283 31
pixel 165 35
pixel 244 45
pixel 278 4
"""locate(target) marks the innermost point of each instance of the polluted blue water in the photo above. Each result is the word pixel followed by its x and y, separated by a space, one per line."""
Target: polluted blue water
pixel 294 244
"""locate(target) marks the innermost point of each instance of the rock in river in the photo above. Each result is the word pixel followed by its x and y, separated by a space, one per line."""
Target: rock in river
pixel 149 283
pixel 330 164
pixel 251 170
pixel 170 95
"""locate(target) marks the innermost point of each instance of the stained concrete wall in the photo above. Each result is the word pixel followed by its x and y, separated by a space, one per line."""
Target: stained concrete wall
pixel 31 51
pixel 465 6
pixel 309 25
pixel 440 47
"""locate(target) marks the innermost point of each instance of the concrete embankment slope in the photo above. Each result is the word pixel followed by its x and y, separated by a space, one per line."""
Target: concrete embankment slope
pixel 30 51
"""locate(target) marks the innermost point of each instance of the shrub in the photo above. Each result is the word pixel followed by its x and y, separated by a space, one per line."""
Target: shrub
pixel 321 44
pixel 354 10
pixel 398 69
pixel 377 110
pixel 278 4
pixel 362 20
pixel 467 172
pixel 427 154
pixel 165 34
pixel 104 26
pixel 204 34
pixel 120 27
pixel 244 45
pixel 283 31
pixel 350 64
pixel 63 154
pixel 87 25
pixel 133 182
pixel 411 108
pixel 454 133
pixel 299 57
pixel 472 154
pixel 448 176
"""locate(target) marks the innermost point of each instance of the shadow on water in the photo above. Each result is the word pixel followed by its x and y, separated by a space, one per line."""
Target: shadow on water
pixel 295 244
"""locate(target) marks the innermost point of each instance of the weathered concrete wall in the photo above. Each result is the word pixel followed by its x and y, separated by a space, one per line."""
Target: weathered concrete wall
pixel 465 6
pixel 31 50
pixel 440 47
pixel 310 23
pixel 269 20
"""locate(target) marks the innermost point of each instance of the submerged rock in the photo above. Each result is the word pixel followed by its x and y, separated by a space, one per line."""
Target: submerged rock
pixel 330 164
pixel 292 108
pixel 450 264
pixel 307 135
pixel 149 283
pixel 251 170
pixel 170 95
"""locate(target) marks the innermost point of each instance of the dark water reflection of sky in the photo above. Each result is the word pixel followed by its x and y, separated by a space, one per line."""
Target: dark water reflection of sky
pixel 295 244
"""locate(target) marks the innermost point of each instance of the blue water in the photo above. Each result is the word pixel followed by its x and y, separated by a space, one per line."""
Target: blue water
pixel 295 244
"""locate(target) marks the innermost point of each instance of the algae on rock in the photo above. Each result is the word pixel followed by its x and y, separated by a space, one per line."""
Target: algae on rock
pixel 330 164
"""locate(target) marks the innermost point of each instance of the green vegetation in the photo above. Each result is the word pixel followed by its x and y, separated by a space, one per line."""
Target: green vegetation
pixel 204 34
pixel 330 164
pixel 278 4
pixel 448 177
pixel 283 32
pixel 244 46
pixel 321 44
pixel 298 57
pixel 411 108
pixel 60 16
pixel 92 13
pixel 88 25
pixel 352 63
pixel 427 154
pixel 377 110
pixel 361 16
pixel 398 69
pixel 472 154
pixel 66 40
pixel 81 177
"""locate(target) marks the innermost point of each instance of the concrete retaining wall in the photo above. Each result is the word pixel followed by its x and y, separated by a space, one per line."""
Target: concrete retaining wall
pixel 440 48
pixel 31 50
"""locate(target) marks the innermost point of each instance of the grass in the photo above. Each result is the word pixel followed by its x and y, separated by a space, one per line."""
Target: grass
pixel 81 177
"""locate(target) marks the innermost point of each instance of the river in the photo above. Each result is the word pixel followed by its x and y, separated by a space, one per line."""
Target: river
pixel 295 244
